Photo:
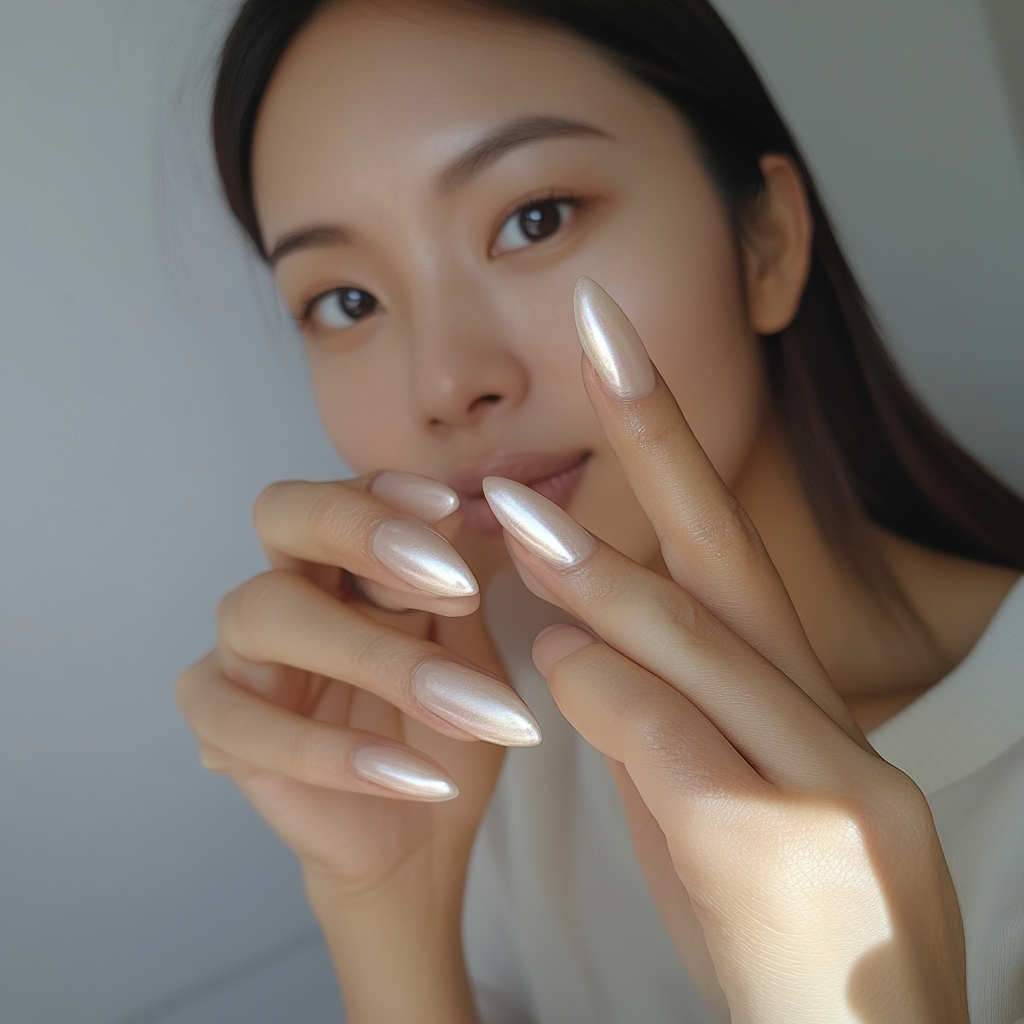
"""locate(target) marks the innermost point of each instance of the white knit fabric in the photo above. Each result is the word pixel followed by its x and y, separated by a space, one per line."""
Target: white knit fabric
pixel 560 927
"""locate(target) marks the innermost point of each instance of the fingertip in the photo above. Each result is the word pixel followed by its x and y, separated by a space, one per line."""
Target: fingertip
pixel 557 642
pixel 429 500
pixel 611 343
pixel 530 581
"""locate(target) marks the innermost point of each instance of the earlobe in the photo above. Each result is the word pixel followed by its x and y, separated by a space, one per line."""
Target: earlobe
pixel 777 243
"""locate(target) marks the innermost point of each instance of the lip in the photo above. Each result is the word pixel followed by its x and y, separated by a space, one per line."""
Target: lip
pixel 555 475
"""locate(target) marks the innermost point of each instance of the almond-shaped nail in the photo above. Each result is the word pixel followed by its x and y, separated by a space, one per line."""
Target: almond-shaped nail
pixel 611 343
pixel 537 523
pixel 423 558
pixel 416 495
pixel 402 772
pixel 481 706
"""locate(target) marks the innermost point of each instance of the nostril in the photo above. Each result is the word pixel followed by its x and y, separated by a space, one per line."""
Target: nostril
pixel 484 400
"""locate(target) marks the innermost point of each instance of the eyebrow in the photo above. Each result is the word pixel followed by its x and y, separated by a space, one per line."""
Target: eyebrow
pixel 506 137
pixel 322 236
pixel 492 147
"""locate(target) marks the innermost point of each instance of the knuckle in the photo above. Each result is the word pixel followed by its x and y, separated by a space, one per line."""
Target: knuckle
pixel 190 683
pixel 725 532
pixel 266 499
pixel 904 798
pixel 328 521
pixel 689 617
pixel 659 435
pixel 248 611
pixel 377 656
pixel 663 739
pixel 307 755
pixel 659 735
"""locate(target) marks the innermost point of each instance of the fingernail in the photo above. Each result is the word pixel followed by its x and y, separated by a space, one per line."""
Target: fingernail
pixel 611 343
pixel 537 523
pixel 423 558
pixel 402 772
pixel 556 642
pixel 260 677
pixel 415 495
pixel 481 706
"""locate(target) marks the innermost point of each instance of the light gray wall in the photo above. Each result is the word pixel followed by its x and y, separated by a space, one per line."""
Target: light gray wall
pixel 144 401
pixel 901 109
pixel 148 391
pixel 1006 18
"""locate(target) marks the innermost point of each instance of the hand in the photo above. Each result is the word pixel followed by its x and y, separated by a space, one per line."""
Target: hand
pixel 347 725
pixel 812 865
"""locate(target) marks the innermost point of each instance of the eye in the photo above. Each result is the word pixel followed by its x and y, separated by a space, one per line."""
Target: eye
pixel 533 223
pixel 341 307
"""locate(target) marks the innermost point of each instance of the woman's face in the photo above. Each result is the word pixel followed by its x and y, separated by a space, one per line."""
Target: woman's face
pixel 433 181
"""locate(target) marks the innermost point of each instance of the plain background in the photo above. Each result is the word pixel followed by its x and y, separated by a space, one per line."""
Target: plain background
pixel 150 387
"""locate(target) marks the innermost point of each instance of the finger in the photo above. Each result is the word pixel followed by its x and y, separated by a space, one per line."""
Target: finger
pixel 242 727
pixel 306 693
pixel 371 594
pixel 669 748
pixel 683 775
pixel 281 618
pixel 419 496
pixel 708 542
pixel 768 871
pixel 658 625
pixel 340 524
pixel 428 500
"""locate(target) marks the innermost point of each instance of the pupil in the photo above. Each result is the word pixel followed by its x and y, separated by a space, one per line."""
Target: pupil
pixel 540 221
pixel 357 303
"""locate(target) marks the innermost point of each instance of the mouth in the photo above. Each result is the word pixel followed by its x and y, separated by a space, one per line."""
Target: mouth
pixel 555 475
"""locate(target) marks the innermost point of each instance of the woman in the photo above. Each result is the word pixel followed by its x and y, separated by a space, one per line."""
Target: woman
pixel 444 191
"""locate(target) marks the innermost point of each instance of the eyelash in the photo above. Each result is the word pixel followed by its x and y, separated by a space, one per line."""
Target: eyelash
pixel 306 313
pixel 574 201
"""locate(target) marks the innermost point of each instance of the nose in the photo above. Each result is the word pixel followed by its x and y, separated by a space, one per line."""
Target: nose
pixel 465 363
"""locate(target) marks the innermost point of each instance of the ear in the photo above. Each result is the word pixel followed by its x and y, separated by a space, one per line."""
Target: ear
pixel 777 247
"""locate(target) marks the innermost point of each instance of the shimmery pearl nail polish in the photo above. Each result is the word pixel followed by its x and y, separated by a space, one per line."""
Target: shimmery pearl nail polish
pixel 611 343
pixel 416 495
pixel 423 558
pixel 481 706
pixel 537 523
pixel 403 772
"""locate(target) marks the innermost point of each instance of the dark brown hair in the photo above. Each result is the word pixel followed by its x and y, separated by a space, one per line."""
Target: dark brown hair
pixel 862 443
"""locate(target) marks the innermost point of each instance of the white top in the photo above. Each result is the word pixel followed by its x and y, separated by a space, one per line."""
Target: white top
pixel 560 927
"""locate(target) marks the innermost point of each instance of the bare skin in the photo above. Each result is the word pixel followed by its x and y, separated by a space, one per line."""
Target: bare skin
pixel 468 353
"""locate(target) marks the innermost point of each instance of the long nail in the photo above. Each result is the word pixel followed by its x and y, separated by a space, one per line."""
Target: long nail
pixel 423 558
pixel 481 706
pixel 416 495
pixel 402 772
pixel 611 343
pixel 537 523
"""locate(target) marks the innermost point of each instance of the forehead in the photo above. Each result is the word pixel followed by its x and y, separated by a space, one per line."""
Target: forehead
pixel 372 97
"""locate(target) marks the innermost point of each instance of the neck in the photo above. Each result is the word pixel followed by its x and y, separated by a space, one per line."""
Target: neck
pixel 878 660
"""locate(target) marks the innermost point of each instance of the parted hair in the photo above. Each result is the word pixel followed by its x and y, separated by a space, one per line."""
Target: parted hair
pixel 864 446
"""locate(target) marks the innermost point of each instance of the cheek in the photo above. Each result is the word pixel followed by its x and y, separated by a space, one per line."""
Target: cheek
pixel 691 314
pixel 716 372
pixel 362 410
